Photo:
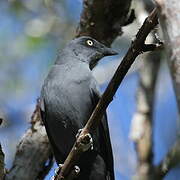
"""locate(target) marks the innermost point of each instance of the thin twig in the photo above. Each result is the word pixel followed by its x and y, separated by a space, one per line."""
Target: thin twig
pixel 135 49
pixel 171 160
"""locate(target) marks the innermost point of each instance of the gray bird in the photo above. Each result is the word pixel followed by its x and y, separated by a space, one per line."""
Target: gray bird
pixel 68 98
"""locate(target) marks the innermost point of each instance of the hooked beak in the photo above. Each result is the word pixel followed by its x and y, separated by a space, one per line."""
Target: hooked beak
pixel 109 52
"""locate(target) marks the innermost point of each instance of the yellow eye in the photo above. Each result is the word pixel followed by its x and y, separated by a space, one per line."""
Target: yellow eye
pixel 89 42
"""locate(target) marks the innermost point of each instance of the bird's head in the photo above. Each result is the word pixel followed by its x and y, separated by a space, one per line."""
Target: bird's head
pixel 89 50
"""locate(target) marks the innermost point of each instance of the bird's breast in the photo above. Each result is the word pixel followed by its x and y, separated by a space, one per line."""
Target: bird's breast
pixel 69 97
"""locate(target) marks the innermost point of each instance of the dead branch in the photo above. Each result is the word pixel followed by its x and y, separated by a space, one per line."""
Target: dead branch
pixel 103 20
pixel 170 161
pixel 170 24
pixel 32 152
pixel 135 49
pixel 142 122
pixel 169 21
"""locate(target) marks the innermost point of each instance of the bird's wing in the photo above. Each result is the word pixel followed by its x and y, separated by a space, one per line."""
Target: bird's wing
pixel 53 144
pixel 105 143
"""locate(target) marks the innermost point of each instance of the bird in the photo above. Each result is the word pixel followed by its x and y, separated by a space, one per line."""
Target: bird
pixel 68 97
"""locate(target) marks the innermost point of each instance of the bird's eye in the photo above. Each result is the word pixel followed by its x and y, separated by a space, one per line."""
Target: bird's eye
pixel 89 42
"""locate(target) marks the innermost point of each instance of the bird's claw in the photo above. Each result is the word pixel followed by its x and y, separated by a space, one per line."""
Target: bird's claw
pixel 78 133
pixel 76 169
pixel 87 142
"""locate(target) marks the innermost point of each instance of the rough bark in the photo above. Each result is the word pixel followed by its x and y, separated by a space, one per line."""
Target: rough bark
pixel 142 123
pixel 103 19
pixel 171 160
pixel 170 22
pixel 32 153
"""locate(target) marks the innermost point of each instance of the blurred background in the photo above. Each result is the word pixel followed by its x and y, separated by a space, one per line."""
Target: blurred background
pixel 31 33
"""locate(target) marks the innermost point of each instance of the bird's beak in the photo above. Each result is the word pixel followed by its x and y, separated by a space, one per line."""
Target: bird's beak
pixel 109 52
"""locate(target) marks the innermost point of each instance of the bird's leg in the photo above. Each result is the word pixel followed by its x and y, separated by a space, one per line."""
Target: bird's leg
pixel 74 173
pixel 87 141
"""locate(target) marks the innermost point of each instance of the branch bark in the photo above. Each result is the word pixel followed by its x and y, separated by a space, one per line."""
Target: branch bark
pixel 171 160
pixel 103 20
pixel 32 152
pixel 135 49
pixel 170 24
pixel 169 20
pixel 142 122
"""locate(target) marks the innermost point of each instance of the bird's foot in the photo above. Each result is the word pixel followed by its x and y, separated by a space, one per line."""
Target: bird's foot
pixel 78 133
pixel 76 170
pixel 87 141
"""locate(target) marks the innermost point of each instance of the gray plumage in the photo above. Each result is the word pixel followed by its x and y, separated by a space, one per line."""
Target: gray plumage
pixel 68 98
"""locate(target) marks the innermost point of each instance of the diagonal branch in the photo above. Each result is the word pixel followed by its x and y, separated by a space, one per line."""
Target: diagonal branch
pixel 135 49
pixel 171 160
pixel 32 152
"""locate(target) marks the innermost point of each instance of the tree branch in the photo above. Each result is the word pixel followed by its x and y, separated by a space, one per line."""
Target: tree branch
pixel 32 152
pixel 170 24
pixel 169 20
pixel 135 49
pixel 171 160
pixel 103 20
pixel 142 122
